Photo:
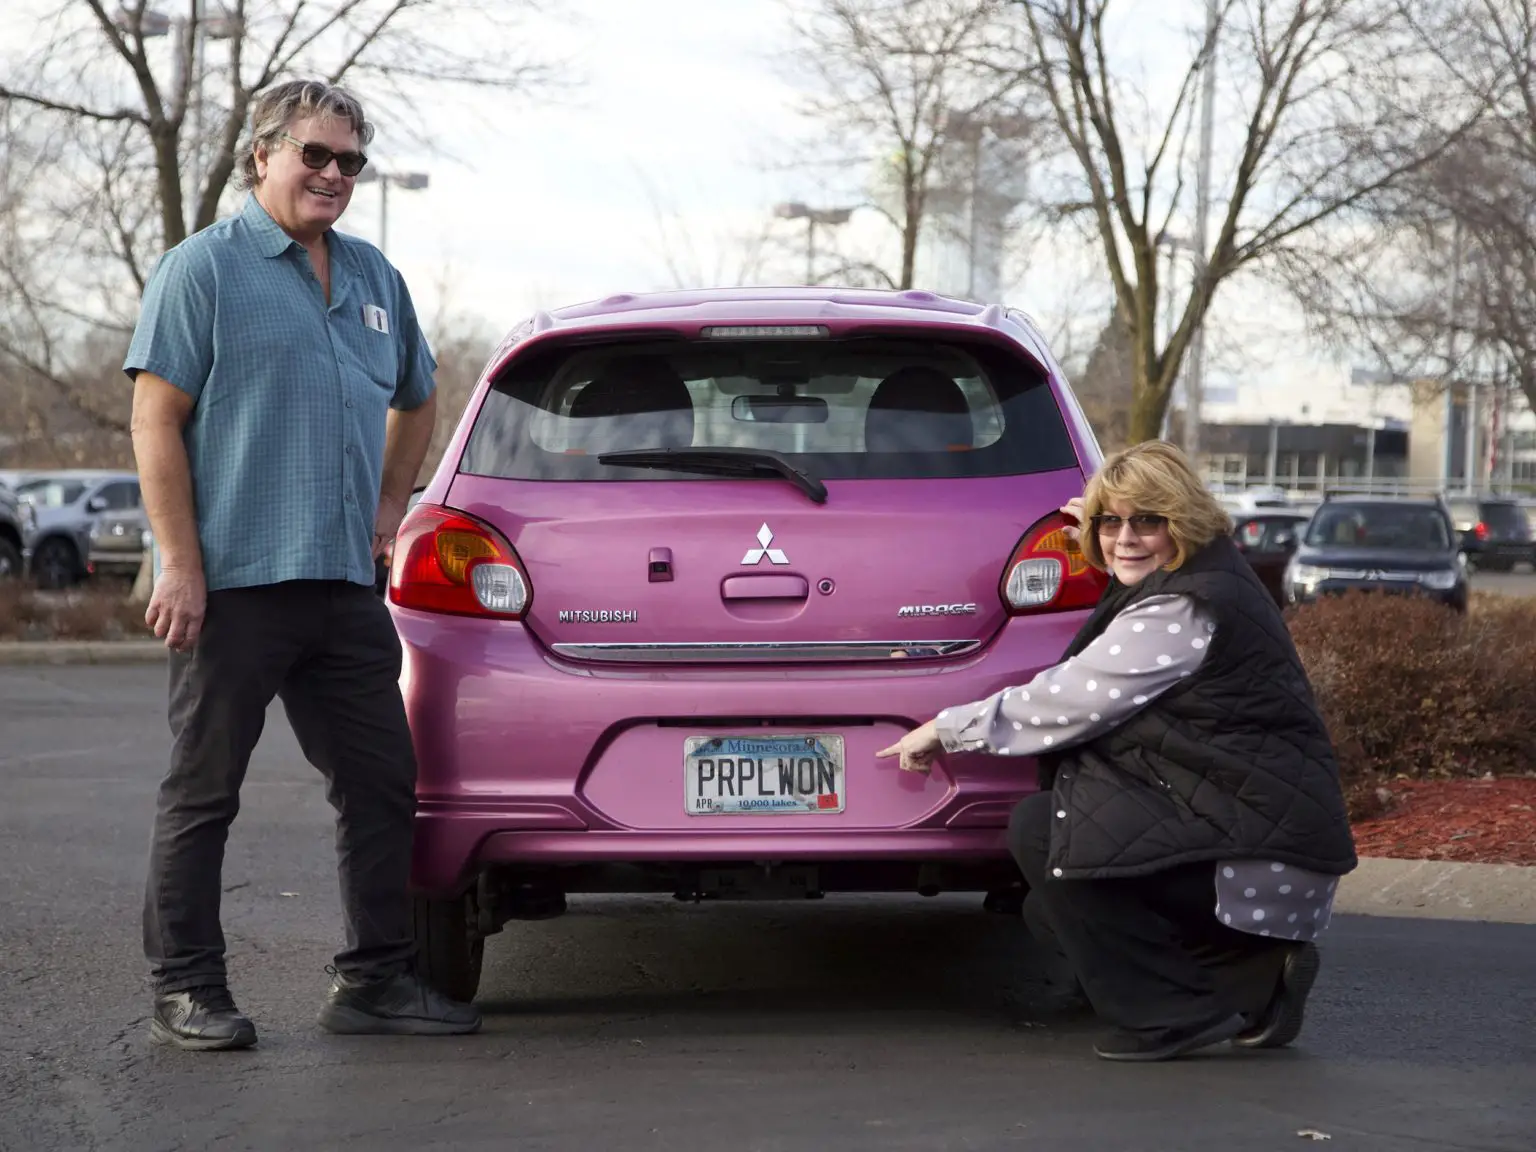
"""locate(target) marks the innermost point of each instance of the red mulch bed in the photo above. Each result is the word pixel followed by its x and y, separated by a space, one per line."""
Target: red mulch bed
pixel 1477 821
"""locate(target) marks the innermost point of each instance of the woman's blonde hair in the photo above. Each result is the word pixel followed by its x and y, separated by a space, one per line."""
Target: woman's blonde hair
pixel 1154 477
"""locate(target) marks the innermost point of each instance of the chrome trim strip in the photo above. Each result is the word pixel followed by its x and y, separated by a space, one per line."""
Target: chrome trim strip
pixel 769 650
pixel 1372 574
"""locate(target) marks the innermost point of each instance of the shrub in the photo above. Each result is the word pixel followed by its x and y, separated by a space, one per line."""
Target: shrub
pixel 1409 688
pixel 91 612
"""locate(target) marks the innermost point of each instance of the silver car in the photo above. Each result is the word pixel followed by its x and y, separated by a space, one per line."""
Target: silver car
pixel 86 522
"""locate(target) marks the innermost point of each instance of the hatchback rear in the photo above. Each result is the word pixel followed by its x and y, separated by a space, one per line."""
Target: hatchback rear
pixel 690 561
pixel 1495 534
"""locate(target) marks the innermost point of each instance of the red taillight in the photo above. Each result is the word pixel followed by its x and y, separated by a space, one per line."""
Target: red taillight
pixel 1481 531
pixel 1048 573
pixel 446 561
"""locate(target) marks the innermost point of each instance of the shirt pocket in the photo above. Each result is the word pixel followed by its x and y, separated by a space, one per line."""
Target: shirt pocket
pixel 379 358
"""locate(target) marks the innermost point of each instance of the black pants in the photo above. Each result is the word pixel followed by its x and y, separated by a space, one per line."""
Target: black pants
pixel 330 651
pixel 1149 952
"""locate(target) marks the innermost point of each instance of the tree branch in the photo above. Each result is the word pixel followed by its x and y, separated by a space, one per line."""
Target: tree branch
pixel 80 110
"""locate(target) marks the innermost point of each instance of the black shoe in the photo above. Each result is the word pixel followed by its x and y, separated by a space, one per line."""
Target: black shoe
pixel 200 1020
pixel 1166 1044
pixel 1280 1022
pixel 400 1005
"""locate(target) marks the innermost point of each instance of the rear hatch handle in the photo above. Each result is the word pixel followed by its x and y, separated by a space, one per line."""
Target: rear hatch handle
pixel 765 588
pixel 742 462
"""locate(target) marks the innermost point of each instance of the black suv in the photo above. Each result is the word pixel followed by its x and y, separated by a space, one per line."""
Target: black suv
pixel 1495 534
pixel 13 528
pixel 1379 544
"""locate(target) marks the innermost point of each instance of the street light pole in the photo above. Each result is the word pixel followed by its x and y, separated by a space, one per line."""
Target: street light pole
pixel 149 24
pixel 1194 379
pixel 406 181
pixel 1173 244
pixel 795 210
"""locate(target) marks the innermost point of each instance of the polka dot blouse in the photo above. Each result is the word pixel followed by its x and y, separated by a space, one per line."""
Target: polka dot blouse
pixel 1144 651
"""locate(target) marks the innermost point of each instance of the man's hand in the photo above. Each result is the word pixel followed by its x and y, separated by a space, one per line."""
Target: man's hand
pixel 916 749
pixel 177 607
pixel 387 523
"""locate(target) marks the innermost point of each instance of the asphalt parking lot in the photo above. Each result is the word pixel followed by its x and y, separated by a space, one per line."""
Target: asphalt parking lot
pixel 848 1023
pixel 1521 582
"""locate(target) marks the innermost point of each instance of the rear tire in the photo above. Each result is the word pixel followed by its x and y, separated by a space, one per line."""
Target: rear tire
pixel 449 948
pixel 10 560
pixel 55 565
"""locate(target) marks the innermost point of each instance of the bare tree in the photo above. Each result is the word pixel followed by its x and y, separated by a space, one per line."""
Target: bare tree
pixel 695 254
pixel 133 118
pixel 1333 113
pixel 1449 289
pixel 898 85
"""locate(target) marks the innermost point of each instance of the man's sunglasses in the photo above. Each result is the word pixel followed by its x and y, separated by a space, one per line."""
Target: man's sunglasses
pixel 1142 523
pixel 318 156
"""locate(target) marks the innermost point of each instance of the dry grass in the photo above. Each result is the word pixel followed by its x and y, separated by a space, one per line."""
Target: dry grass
pixel 90 612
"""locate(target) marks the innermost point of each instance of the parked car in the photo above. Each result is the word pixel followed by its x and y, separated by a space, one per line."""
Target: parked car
pixel 1379 544
pixel 1495 534
pixel 690 561
pixel 15 522
pixel 1249 500
pixel 118 540
pixel 1268 540
pixel 60 549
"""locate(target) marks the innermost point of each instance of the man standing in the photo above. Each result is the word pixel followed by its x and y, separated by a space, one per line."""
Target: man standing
pixel 283 403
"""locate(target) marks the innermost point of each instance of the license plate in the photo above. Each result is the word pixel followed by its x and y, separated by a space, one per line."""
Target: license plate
pixel 763 775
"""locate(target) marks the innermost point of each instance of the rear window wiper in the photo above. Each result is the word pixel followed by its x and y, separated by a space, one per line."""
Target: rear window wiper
pixel 720 462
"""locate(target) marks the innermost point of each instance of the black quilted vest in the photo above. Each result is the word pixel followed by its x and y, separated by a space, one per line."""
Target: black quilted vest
pixel 1234 762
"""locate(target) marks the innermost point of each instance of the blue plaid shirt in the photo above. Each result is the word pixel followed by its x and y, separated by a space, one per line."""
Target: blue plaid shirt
pixel 286 439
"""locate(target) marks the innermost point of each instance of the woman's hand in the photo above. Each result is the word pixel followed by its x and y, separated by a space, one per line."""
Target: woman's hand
pixel 916 749
pixel 1073 510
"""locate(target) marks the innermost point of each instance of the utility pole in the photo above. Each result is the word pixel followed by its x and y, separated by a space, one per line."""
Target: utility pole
pixel 1450 349
pixel 1194 379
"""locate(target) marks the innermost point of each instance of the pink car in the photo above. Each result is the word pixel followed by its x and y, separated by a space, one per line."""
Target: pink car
pixel 690 561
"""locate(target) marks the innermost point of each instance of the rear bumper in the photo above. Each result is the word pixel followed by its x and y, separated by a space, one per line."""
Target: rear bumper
pixel 525 759
pixel 115 563
pixel 1503 551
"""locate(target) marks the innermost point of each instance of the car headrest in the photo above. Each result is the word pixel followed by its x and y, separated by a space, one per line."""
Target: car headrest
pixel 647 389
pixel 918 409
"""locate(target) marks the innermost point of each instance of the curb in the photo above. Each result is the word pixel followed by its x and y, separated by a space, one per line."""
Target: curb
pixel 43 652
pixel 1439 890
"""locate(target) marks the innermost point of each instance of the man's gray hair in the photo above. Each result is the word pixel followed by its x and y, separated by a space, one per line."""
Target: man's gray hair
pixel 277 108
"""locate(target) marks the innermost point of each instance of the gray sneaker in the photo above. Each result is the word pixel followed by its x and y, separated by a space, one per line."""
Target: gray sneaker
pixel 400 1005
pixel 200 1020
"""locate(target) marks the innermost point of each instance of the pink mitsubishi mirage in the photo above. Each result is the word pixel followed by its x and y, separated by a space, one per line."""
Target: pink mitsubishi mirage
pixel 689 562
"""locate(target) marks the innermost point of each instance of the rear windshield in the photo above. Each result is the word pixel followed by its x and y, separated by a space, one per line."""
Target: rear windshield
pixel 1379 526
pixel 836 409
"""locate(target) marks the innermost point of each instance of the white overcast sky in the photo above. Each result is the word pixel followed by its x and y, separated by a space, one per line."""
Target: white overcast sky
pixel 685 107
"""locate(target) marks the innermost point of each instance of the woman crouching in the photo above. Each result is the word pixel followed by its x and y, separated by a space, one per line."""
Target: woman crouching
pixel 1190 829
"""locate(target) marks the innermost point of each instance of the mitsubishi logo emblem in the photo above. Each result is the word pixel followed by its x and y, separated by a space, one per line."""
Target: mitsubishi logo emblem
pixel 755 555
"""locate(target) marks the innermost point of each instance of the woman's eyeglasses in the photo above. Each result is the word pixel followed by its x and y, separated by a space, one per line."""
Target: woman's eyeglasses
pixel 1142 523
pixel 317 156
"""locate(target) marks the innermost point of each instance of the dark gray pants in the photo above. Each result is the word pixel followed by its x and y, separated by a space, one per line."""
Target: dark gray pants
pixel 329 650
pixel 1148 951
